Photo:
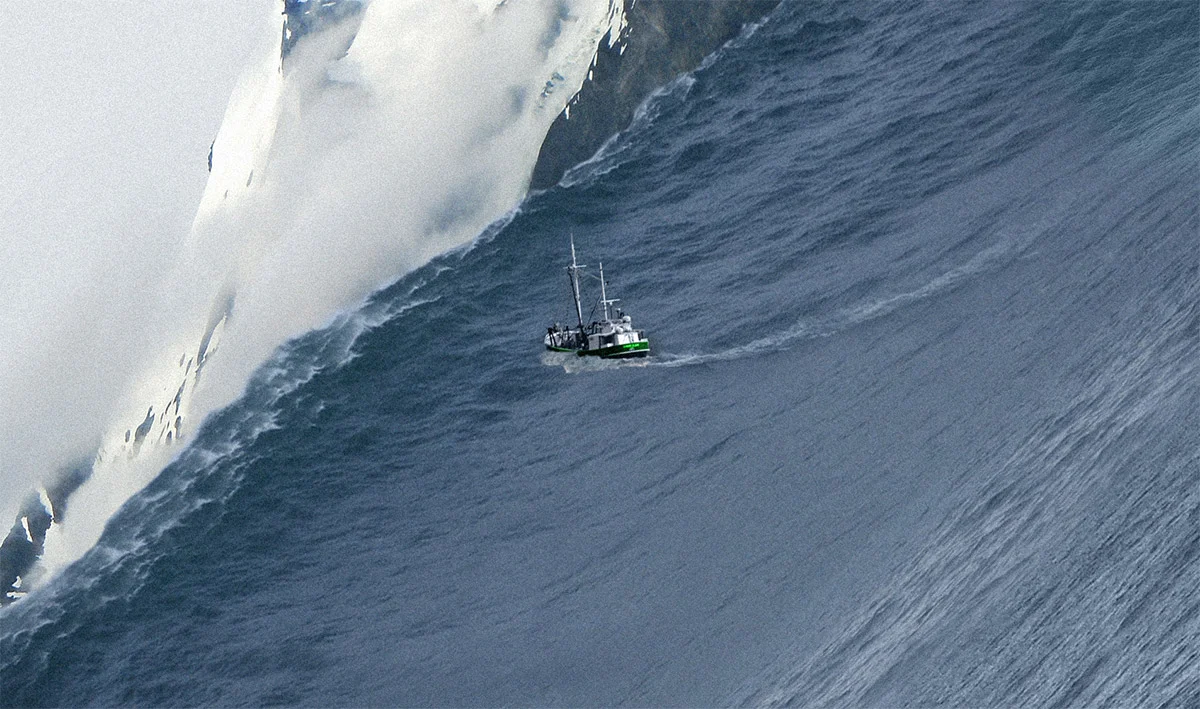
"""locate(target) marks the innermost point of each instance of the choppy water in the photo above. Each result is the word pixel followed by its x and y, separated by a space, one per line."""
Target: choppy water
pixel 921 425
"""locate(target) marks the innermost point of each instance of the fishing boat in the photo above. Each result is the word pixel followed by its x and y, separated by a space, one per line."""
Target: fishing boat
pixel 612 337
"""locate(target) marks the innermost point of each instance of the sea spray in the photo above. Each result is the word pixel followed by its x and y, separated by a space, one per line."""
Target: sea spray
pixel 332 175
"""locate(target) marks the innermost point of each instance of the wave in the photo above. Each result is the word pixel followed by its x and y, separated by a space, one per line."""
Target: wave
pixel 808 328
pixel 333 173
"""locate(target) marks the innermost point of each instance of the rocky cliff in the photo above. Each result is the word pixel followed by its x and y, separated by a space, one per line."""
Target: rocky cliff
pixel 659 40
pixel 662 40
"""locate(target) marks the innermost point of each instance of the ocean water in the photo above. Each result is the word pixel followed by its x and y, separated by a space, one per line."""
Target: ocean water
pixel 921 426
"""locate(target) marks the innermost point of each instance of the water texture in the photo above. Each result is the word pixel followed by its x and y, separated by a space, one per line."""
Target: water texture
pixel 921 424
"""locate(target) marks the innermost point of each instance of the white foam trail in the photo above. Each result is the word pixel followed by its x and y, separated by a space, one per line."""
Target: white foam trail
pixel 992 257
pixel 331 178
pixel 572 363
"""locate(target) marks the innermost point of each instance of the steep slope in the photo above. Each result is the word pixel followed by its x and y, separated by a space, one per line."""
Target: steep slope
pixel 662 40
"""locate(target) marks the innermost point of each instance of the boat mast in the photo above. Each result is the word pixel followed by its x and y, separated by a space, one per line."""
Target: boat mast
pixel 604 295
pixel 573 270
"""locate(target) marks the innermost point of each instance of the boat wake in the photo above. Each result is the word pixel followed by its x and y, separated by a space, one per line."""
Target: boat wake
pixel 809 328
pixel 372 143
pixel 574 364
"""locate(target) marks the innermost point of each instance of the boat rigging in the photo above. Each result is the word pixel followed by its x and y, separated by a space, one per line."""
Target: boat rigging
pixel 609 338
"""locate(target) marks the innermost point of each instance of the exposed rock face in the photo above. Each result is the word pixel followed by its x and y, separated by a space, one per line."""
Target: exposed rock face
pixel 663 39
pixel 25 542
pixel 304 17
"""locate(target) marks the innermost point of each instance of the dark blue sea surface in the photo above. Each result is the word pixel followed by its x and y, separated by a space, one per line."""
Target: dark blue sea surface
pixel 921 426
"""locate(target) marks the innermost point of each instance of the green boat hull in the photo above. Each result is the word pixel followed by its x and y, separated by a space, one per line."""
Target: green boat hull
pixel 631 349
pixel 604 334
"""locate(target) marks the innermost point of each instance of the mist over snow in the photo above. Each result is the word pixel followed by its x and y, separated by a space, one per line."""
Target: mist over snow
pixel 333 173
pixel 422 135
pixel 108 111
pixel 920 423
